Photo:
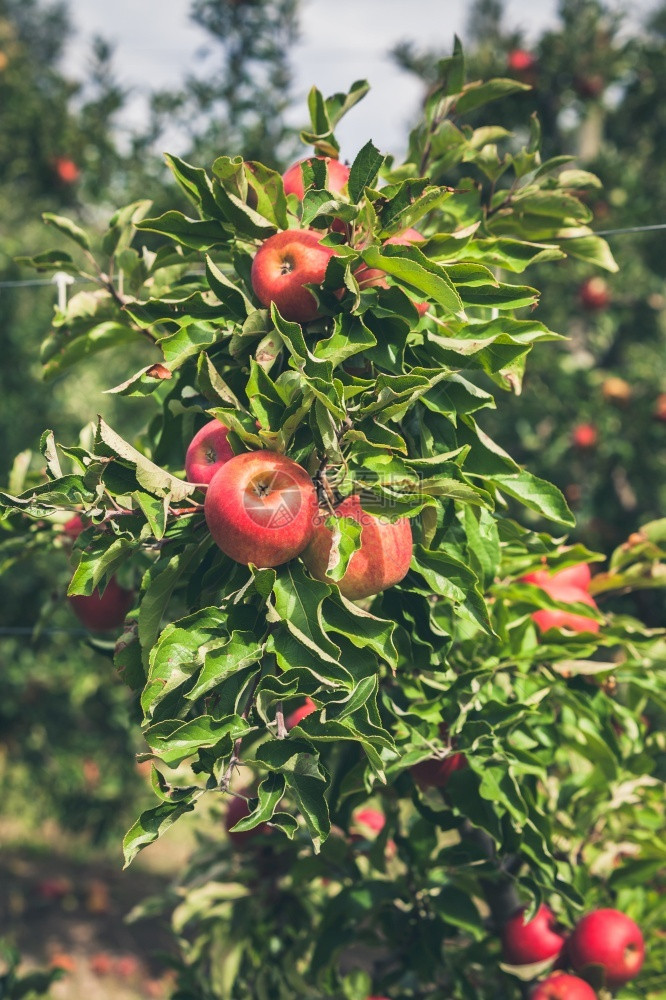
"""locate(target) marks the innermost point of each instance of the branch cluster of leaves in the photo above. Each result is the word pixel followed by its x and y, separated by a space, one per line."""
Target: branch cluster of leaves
pixel 555 728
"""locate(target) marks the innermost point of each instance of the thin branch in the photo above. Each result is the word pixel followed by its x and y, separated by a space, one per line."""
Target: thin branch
pixel 235 753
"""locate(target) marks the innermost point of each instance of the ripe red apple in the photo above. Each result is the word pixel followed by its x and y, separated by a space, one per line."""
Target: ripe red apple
pixel 103 612
pixel 374 277
pixel 610 939
pixel 594 293
pixel 338 175
pixel 520 61
pixel 369 819
pixel 436 771
pixel 561 986
pixel 565 619
pixel 73 527
pixel 584 436
pixel 573 576
pixel 207 452
pixel 237 810
pixel 261 508
pixel 283 265
pixel 101 964
pixel 66 170
pixel 307 708
pixel 535 941
pixel 382 560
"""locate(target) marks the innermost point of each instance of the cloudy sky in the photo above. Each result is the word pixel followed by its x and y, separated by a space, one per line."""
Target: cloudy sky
pixel 155 44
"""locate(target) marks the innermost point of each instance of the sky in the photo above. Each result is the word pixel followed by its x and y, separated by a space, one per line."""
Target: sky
pixel 156 44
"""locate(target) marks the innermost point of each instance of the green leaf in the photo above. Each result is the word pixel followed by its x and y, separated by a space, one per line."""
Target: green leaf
pixel 150 826
pixel 408 264
pixel 364 170
pixel 68 228
pixel 476 94
pixel 154 480
pixel 537 494
pixel 173 741
pixel 240 650
pixel 189 232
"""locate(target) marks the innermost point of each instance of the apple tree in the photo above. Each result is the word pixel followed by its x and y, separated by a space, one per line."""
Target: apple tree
pixel 425 760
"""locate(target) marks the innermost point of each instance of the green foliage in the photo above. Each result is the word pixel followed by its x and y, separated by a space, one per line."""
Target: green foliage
pixel 560 730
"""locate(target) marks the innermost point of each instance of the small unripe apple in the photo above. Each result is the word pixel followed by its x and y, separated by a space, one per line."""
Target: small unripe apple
pixel 520 61
pixel 538 939
pixel 207 452
pixel 561 986
pixel 594 294
pixel 374 277
pixel 381 561
pixel 103 612
pixel 338 175
pixel 584 436
pixel 610 939
pixel 66 170
pixel 616 390
pixel 307 708
pixel 283 265
pixel 237 810
pixel 261 508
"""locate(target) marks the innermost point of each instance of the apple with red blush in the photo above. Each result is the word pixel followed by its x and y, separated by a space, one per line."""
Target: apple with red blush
pixel 338 175
pixel 283 265
pixel 562 986
pixel 207 452
pixel 102 611
pixel 594 294
pixel 525 942
pixel 374 277
pixel 300 713
pixel 261 508
pixel 585 437
pixel 521 61
pixel 568 586
pixel 381 561
pixel 66 170
pixel 608 939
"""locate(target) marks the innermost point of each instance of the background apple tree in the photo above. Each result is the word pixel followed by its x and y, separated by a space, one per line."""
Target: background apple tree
pixel 560 800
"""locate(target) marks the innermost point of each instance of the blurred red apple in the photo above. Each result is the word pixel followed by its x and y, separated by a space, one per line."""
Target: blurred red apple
pixel 561 986
pixel 207 452
pixel 66 170
pixel 584 436
pixel 594 293
pixel 520 61
pixel 536 940
pixel 73 527
pixel 381 561
pixel 237 810
pixel 101 964
pixel 659 412
pixel 436 771
pixel 260 508
pixel 103 612
pixel 283 265
pixel 610 939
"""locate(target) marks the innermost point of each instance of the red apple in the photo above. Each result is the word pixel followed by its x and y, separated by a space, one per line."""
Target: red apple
pixel 546 619
pixel 369 819
pixel 573 576
pixel 237 810
pixel 283 265
pixel 261 508
pixel 382 560
pixel 594 293
pixel 66 170
pixel 561 986
pixel 207 452
pixel 535 941
pixel 338 175
pixel 520 61
pixel 73 527
pixel 374 277
pixel 102 612
pixel 609 939
pixel 307 708
pixel 584 436
pixel 101 964
pixel 436 771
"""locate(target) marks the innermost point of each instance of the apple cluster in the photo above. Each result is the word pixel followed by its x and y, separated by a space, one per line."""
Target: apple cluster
pixel 605 945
